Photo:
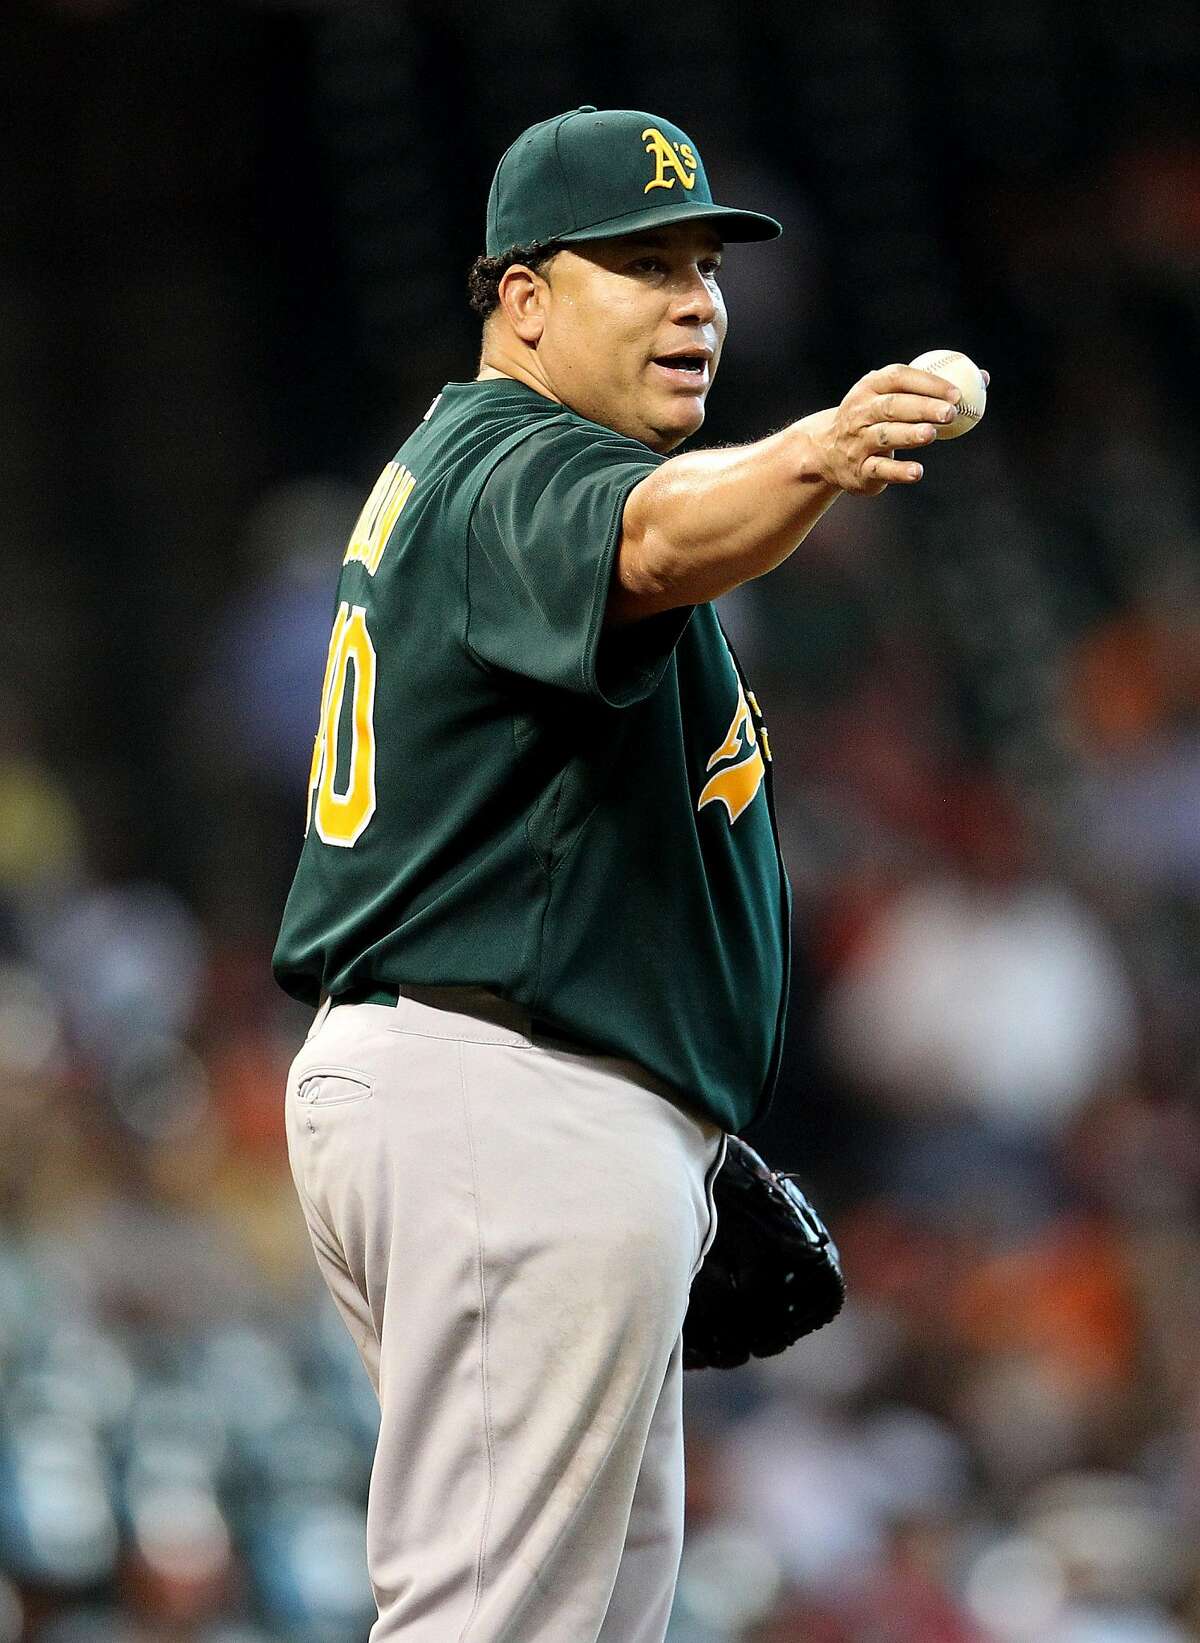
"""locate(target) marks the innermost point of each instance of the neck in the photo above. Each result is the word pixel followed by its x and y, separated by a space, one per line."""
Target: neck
pixel 500 358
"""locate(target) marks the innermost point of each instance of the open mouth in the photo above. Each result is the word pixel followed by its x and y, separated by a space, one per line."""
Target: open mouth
pixel 690 368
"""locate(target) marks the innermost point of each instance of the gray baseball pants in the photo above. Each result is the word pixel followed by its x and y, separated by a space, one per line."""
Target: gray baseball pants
pixel 509 1228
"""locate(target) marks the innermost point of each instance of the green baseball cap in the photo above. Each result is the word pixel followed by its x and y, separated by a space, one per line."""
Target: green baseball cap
pixel 591 174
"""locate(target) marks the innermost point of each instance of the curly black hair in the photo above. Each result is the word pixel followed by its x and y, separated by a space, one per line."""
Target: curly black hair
pixel 483 281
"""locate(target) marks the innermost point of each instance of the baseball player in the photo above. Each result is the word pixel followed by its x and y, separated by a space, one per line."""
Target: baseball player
pixel 540 900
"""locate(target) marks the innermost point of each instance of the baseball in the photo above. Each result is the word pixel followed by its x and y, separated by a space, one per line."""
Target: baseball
pixel 966 376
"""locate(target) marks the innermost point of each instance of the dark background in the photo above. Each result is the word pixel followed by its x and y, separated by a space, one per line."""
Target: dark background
pixel 232 268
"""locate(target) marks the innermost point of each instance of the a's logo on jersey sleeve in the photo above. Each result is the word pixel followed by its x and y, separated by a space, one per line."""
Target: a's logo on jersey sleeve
pixel 736 785
pixel 677 158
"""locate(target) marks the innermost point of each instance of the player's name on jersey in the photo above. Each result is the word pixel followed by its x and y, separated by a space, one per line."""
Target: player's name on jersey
pixel 380 512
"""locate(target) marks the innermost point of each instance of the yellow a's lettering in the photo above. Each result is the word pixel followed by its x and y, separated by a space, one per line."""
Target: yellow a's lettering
pixel 678 159
pixel 736 785
pixel 732 744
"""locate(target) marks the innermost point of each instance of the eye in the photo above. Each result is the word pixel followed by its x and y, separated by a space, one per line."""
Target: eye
pixel 710 267
pixel 647 265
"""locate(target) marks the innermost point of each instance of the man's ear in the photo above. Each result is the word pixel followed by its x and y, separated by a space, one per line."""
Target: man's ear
pixel 522 295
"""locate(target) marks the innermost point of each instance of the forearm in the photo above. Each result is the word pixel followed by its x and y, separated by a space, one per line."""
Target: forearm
pixel 706 522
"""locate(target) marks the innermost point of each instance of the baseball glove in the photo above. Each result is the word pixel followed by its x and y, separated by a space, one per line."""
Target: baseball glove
pixel 771 1275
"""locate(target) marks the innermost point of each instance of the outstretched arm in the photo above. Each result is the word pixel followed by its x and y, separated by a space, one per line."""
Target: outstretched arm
pixel 705 522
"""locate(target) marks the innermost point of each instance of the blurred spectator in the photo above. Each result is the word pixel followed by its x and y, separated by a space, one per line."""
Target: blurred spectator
pixel 255 696
pixel 993 989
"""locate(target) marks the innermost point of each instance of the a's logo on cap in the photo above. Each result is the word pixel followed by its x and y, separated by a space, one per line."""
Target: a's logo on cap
pixel 676 158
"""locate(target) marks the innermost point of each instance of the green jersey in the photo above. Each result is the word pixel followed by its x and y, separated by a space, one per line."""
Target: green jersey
pixel 506 793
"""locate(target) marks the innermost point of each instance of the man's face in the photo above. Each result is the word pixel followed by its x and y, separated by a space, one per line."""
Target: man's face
pixel 634 329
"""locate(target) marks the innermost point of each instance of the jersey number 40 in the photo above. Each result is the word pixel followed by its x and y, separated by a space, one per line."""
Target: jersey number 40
pixel 341 782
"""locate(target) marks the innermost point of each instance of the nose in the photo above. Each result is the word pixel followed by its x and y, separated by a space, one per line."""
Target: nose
pixel 695 299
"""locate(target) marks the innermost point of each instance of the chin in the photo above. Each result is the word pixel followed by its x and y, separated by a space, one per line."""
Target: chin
pixel 675 432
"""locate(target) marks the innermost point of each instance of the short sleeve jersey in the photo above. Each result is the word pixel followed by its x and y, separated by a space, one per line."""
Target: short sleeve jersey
pixel 506 793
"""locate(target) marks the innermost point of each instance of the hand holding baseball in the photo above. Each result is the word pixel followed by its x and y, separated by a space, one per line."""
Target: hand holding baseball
pixel 966 376
pixel 896 409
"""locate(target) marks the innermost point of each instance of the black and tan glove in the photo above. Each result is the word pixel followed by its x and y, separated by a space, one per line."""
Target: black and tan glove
pixel 772 1273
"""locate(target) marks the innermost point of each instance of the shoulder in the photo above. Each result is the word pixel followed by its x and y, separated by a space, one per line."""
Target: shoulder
pixel 509 406
pixel 561 447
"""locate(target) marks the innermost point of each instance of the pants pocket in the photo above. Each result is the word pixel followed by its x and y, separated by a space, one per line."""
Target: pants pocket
pixel 332 1086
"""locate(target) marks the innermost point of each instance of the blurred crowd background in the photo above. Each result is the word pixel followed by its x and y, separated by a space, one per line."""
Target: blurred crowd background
pixel 231 279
